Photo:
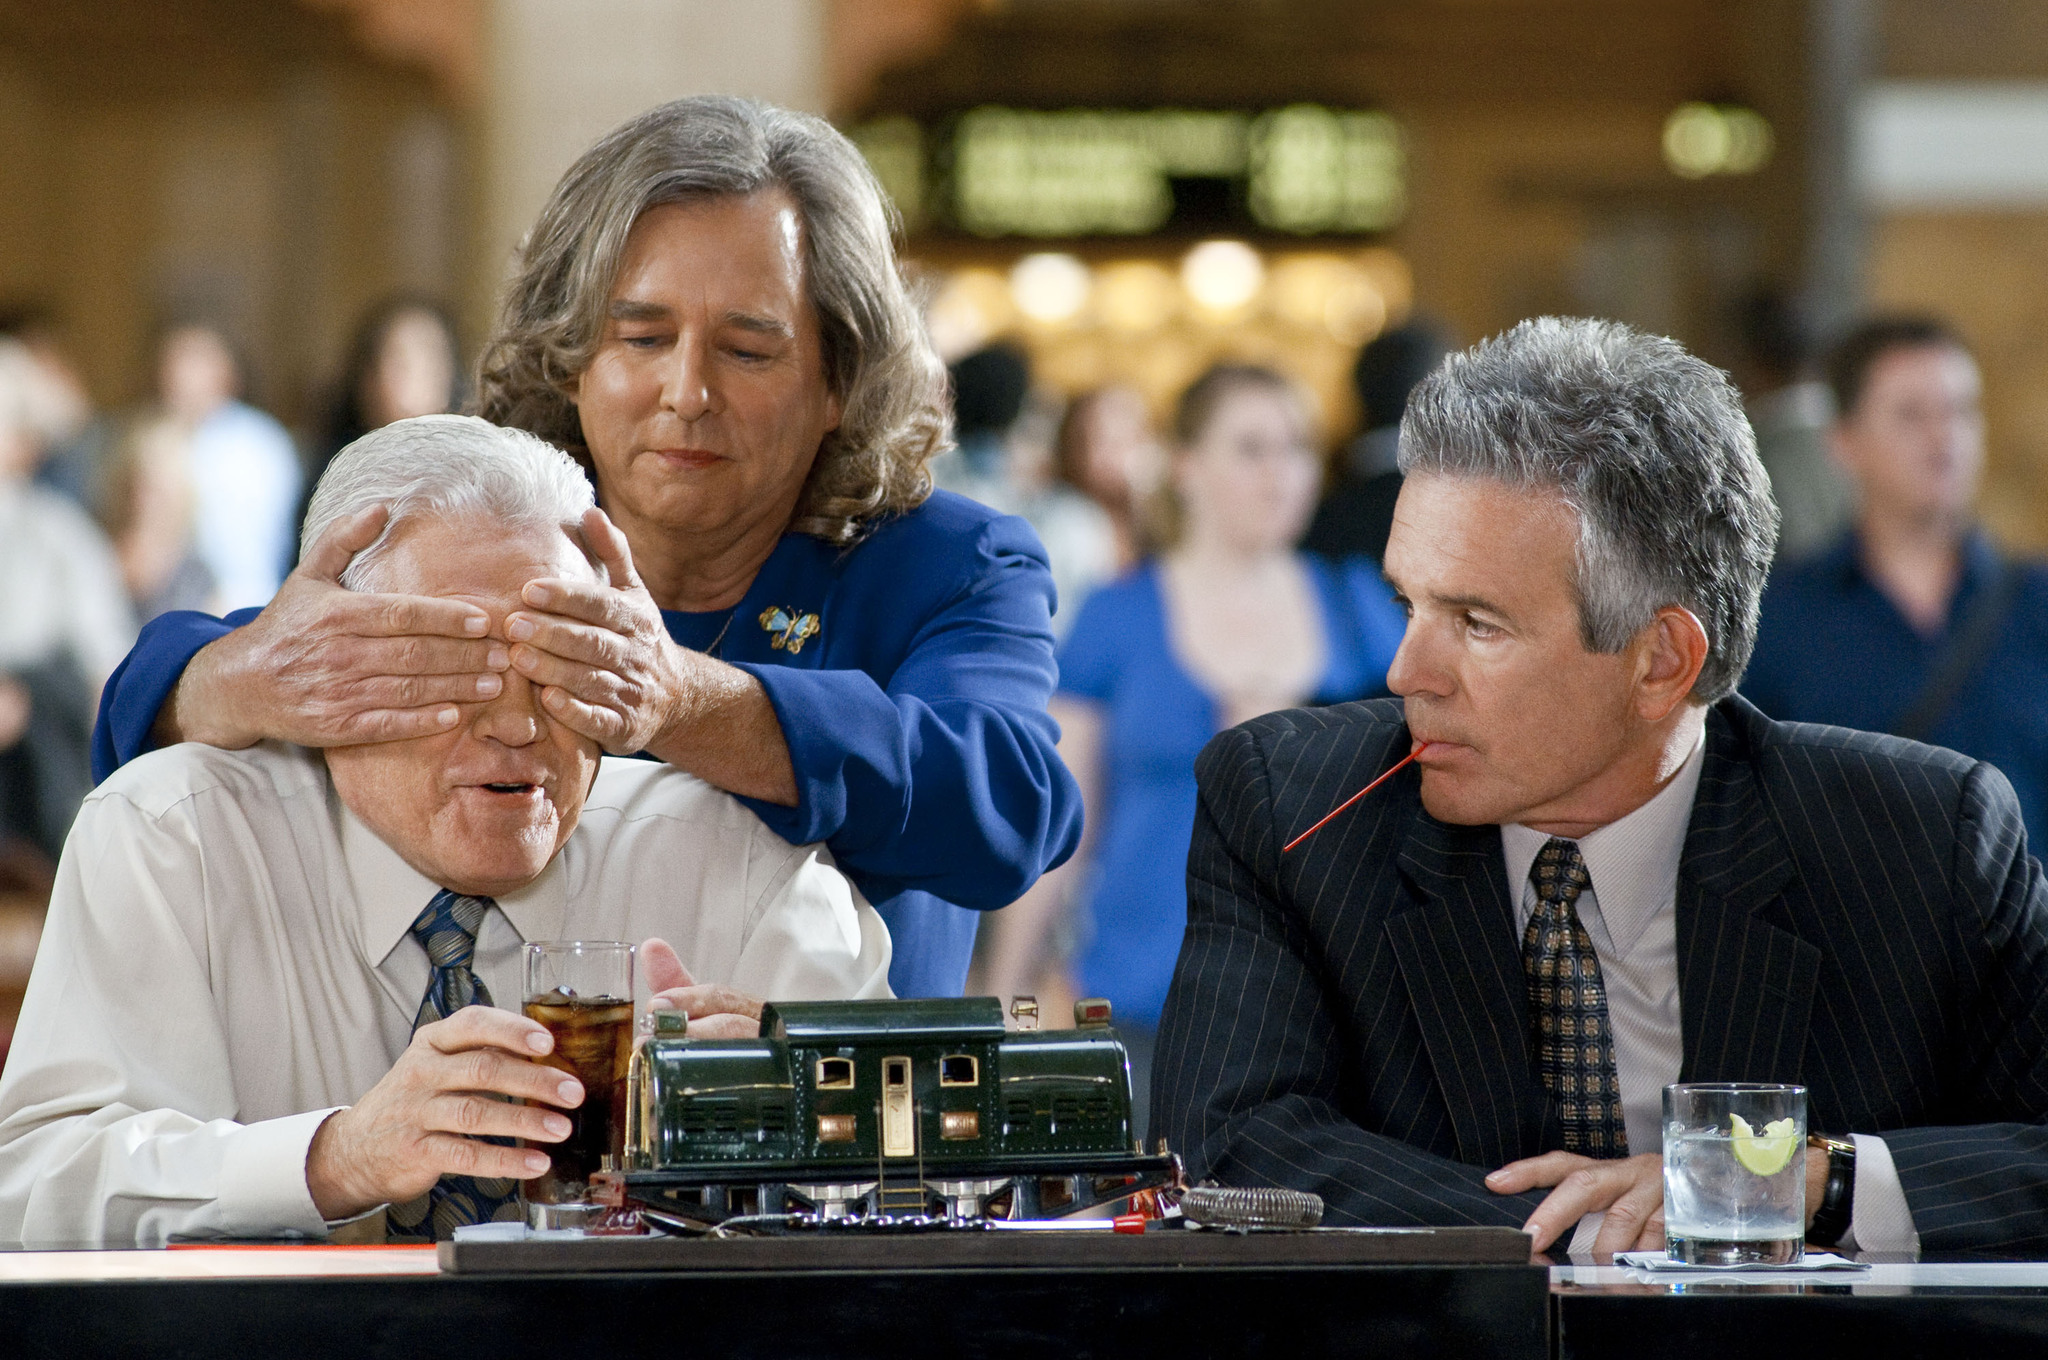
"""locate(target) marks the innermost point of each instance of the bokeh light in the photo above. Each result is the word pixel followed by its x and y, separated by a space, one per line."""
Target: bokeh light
pixel 1050 288
pixel 1716 139
pixel 971 308
pixel 1223 277
pixel 1136 296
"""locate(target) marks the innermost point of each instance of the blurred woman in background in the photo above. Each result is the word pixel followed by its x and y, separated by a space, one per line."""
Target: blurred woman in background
pixel 402 362
pixel 145 502
pixel 1228 623
pixel 1107 450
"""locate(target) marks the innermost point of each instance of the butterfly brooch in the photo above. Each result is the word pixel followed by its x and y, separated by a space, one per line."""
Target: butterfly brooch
pixel 791 629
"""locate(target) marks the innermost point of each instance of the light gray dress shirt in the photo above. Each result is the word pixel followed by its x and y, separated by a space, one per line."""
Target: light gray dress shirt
pixel 229 959
pixel 1630 911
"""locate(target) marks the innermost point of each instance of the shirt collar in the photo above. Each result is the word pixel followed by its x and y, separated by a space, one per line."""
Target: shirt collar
pixel 1632 862
pixel 390 894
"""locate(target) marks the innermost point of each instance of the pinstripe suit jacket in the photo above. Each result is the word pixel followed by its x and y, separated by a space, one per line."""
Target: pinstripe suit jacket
pixel 1854 912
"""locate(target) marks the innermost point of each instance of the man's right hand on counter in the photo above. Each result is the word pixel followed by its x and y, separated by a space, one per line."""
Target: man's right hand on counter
pixel 428 1115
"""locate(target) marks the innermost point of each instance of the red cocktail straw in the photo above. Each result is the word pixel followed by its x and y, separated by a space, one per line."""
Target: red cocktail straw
pixel 1419 749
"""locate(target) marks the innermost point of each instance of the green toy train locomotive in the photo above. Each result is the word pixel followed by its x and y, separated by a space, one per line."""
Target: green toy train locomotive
pixel 885 1112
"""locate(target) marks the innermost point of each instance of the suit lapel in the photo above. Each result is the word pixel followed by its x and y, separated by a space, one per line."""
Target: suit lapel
pixel 1454 940
pixel 1745 978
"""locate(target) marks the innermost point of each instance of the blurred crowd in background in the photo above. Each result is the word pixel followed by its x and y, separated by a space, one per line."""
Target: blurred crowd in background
pixel 1212 567
pixel 191 501
pixel 1186 264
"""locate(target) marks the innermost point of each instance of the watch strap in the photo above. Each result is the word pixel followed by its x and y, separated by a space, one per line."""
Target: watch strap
pixel 1838 1200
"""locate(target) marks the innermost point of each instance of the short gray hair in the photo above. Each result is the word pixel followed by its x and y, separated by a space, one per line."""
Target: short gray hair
pixel 454 467
pixel 879 360
pixel 1649 447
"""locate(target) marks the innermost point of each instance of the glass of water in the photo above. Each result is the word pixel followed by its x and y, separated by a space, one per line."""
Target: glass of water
pixel 1735 1173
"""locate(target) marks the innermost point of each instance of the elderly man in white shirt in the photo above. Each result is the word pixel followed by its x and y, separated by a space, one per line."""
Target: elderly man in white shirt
pixel 232 1024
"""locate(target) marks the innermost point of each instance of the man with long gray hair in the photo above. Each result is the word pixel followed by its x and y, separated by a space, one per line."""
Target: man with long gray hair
pixel 1458 1002
pixel 268 996
pixel 709 315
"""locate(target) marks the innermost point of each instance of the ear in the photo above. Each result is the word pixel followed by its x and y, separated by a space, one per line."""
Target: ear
pixel 835 410
pixel 1673 652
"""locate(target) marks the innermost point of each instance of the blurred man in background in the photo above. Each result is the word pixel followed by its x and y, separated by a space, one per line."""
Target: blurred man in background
pixel 66 622
pixel 1001 462
pixel 1912 623
pixel 245 472
pixel 1357 511
pixel 73 438
pixel 1791 410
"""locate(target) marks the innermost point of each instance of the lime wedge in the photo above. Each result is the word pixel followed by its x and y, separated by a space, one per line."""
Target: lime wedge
pixel 1765 1153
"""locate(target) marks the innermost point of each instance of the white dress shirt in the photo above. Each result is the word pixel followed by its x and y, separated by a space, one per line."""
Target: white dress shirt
pixel 228 960
pixel 1630 910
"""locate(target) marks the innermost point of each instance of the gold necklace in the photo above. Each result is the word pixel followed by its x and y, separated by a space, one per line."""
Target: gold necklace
pixel 730 615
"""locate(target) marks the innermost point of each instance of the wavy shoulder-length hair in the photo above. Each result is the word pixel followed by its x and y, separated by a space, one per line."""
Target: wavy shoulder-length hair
pixel 879 360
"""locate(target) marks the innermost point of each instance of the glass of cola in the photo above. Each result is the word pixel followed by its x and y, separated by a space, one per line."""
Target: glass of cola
pixel 582 990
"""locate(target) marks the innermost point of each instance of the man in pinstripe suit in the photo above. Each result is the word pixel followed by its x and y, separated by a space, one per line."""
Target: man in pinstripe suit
pixel 1377 1015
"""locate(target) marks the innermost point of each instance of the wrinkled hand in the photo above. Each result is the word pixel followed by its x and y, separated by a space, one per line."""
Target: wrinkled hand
pixel 424 1119
pixel 323 666
pixel 608 667
pixel 1629 1190
pixel 715 1011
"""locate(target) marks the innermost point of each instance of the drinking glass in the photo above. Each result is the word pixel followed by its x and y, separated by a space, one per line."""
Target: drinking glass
pixel 1735 1173
pixel 582 990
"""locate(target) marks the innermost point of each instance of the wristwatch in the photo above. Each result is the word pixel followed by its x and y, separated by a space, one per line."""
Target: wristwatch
pixel 1838 1200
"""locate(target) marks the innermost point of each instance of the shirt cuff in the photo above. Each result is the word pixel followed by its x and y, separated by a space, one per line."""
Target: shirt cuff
pixel 263 1178
pixel 1881 1220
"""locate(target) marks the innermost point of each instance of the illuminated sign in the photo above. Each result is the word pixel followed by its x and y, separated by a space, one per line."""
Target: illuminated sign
pixel 1302 169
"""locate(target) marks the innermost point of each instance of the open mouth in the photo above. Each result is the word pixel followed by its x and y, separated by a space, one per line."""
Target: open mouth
pixel 511 788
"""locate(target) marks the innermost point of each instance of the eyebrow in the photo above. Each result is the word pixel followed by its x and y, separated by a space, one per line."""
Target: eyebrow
pixel 1479 602
pixel 626 309
pixel 761 325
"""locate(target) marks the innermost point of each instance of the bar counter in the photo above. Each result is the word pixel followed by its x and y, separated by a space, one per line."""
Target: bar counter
pixel 317 1301
pixel 1949 1310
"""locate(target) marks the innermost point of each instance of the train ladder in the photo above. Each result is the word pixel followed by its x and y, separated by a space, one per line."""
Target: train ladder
pixel 903 1196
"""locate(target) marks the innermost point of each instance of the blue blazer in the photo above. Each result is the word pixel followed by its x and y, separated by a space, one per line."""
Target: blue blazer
pixel 1856 913
pixel 910 674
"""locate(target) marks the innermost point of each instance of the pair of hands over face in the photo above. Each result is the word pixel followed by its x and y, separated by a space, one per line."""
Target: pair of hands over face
pixel 322 666
pixel 448 1091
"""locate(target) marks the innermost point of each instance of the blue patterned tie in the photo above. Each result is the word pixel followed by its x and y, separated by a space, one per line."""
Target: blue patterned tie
pixel 447 931
pixel 1568 1007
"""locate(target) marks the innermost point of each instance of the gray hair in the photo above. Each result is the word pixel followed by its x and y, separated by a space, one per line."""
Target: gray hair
pixel 453 467
pixel 1649 447
pixel 878 357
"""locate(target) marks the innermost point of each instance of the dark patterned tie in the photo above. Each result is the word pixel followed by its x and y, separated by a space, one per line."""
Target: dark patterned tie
pixel 1568 1007
pixel 447 931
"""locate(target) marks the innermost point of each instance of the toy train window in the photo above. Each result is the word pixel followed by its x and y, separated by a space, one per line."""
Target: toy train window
pixel 959 1069
pixel 835 1074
